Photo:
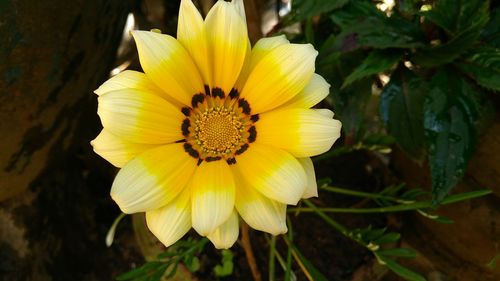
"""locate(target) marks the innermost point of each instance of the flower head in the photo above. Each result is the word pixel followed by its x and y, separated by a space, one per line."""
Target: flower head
pixel 214 128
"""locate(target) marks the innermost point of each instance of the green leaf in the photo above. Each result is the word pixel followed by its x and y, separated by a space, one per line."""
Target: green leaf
pixel 483 65
pixel 397 252
pixel 380 32
pixel 304 9
pixel 350 102
pixel 376 62
pixel 449 51
pixel 491 32
pixel 401 270
pixel 390 237
pixel 401 109
pixel 453 16
pixel 465 196
pixel 226 268
pixel 450 115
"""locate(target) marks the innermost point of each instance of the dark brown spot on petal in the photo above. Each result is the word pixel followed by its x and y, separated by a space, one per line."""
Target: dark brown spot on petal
pixel 242 149
pixel 210 159
pixel 244 106
pixel 253 134
pixel 207 90
pixel 185 127
pixel 198 98
pixel 231 161
pixel 186 111
pixel 218 92
pixel 255 118
pixel 189 149
pixel 233 93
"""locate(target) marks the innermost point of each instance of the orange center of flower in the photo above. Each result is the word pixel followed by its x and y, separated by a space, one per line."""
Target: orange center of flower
pixel 218 126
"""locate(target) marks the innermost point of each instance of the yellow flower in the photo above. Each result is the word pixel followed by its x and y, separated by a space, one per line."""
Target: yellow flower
pixel 214 128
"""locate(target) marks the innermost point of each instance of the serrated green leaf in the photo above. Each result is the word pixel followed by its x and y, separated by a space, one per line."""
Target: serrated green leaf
pixel 450 116
pixel 401 270
pixel 390 237
pixel 304 9
pixel 451 50
pixel 401 109
pixel 376 62
pixel 453 16
pixel 483 65
pixel 397 252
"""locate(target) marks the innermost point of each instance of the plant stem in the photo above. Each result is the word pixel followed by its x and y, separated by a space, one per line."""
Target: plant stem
pixel 362 194
pixel 272 257
pixel 247 246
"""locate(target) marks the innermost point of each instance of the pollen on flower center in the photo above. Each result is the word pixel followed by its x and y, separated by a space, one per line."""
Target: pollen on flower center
pixel 218 126
pixel 218 130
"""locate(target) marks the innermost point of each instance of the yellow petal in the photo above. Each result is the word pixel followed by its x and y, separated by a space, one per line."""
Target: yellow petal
pixel 192 34
pixel 130 79
pixel 170 222
pixel 273 172
pixel 315 91
pixel 258 211
pixel 279 76
pixel 240 8
pixel 325 112
pixel 227 44
pixel 312 186
pixel 260 50
pixel 226 234
pixel 212 196
pixel 302 132
pixel 140 117
pixel 153 179
pixel 116 150
pixel 166 63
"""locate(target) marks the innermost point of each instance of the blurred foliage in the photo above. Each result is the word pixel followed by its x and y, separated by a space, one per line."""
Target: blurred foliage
pixel 430 65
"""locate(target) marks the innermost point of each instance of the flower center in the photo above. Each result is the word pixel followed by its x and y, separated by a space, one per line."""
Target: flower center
pixel 218 130
pixel 218 126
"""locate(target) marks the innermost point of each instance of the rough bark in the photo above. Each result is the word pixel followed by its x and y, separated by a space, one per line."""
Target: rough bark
pixel 53 195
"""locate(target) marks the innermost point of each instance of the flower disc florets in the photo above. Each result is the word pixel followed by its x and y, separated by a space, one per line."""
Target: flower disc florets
pixel 218 127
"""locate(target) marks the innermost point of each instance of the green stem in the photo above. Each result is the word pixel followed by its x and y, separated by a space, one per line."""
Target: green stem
pixel 272 257
pixel 362 194
pixel 332 222
pixel 289 252
pixel 395 208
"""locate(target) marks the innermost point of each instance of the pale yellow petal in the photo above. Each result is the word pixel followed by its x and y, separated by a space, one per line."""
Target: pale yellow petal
pixel 170 222
pixel 153 179
pixel 227 44
pixel 258 211
pixel 212 196
pixel 315 91
pixel 260 50
pixel 226 234
pixel 192 34
pixel 168 64
pixel 117 150
pixel 312 186
pixel 273 172
pixel 279 76
pixel 327 113
pixel 240 8
pixel 127 79
pixel 140 117
pixel 302 132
